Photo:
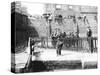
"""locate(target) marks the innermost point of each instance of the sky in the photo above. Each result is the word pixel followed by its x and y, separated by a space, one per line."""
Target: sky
pixel 34 8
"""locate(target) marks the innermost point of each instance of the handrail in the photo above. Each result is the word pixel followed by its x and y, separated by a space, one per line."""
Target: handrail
pixel 81 43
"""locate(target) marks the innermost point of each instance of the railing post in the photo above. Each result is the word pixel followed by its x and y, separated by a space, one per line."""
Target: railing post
pixel 29 45
pixel 90 44
pixel 77 43
pixel 95 43
pixel 47 42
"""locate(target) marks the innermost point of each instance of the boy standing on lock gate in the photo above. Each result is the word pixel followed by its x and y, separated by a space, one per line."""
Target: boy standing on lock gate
pixel 59 42
pixel 89 38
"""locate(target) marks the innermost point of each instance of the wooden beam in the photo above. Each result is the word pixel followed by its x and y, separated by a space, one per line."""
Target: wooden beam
pixel 88 12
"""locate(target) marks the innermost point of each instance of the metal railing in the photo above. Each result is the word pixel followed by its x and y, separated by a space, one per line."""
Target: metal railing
pixel 78 44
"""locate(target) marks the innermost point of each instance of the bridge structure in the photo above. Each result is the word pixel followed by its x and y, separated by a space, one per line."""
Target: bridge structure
pixel 44 58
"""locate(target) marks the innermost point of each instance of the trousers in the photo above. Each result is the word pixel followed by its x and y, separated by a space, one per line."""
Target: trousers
pixel 58 48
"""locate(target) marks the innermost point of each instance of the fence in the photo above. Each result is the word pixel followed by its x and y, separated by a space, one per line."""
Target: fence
pixel 84 44
pixel 77 44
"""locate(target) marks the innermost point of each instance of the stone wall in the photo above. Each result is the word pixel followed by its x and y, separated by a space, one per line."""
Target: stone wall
pixel 69 10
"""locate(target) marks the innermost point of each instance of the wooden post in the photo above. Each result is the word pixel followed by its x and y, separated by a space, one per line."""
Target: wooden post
pixel 77 43
pixel 90 43
pixel 95 43
pixel 30 56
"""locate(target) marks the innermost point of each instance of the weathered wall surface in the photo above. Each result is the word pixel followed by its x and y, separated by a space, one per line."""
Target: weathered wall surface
pixel 69 10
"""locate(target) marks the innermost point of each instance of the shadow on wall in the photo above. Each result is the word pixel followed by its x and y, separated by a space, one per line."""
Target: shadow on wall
pixel 20 31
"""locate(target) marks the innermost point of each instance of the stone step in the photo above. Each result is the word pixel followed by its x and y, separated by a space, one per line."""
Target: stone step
pixel 55 65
